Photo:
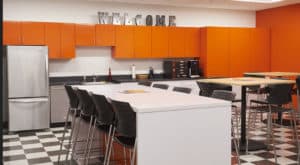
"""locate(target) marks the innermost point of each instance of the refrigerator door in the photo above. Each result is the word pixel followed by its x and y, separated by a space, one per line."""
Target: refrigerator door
pixel 28 114
pixel 27 71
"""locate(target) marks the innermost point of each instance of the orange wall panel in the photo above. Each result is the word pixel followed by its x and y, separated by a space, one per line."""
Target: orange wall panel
pixel 124 42
pixel 240 51
pixel 142 42
pixel 33 33
pixel 85 35
pixel 67 40
pixel 192 42
pixel 217 52
pixel 160 42
pixel 105 35
pixel 11 33
pixel 176 42
pixel 260 50
pixel 52 40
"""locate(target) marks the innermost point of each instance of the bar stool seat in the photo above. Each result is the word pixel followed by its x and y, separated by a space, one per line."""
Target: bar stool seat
pixel 126 141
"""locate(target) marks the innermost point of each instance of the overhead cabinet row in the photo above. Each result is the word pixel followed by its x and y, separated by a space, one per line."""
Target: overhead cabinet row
pixel 127 41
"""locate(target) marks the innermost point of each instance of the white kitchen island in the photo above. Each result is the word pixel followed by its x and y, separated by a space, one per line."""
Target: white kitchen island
pixel 175 128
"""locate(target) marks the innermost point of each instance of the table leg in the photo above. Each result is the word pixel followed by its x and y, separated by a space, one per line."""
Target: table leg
pixel 252 145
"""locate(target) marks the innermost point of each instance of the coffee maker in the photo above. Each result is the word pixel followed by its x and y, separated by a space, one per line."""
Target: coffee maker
pixel 193 67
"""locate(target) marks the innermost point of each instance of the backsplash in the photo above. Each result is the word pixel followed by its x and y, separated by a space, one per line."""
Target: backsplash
pixel 97 60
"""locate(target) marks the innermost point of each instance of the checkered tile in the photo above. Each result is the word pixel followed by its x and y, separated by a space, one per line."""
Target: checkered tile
pixel 42 148
pixel 39 147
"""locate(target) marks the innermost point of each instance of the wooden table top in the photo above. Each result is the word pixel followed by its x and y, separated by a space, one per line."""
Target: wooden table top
pixel 246 81
pixel 274 74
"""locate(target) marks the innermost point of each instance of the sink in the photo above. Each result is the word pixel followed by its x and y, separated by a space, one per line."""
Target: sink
pixel 94 83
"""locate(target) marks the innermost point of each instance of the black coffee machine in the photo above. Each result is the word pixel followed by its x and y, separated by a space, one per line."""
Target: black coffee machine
pixel 194 68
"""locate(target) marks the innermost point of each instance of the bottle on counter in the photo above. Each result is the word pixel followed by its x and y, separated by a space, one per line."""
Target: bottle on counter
pixel 133 75
pixel 109 78
pixel 151 73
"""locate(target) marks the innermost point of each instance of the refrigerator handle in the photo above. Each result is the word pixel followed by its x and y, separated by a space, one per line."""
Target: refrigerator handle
pixel 29 100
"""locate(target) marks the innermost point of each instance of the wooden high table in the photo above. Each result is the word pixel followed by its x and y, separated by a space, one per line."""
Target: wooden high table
pixel 272 74
pixel 245 82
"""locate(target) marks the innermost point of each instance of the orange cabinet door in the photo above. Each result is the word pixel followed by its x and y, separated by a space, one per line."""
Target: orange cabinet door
pixel 240 51
pixel 160 42
pixel 124 42
pixel 67 41
pixel 33 33
pixel 192 42
pixel 142 42
pixel 85 35
pixel 52 40
pixel 105 35
pixel 11 33
pixel 217 57
pixel 260 50
pixel 176 42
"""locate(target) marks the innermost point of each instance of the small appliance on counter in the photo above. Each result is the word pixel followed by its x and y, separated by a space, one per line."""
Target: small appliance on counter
pixel 194 70
pixel 181 69
pixel 175 68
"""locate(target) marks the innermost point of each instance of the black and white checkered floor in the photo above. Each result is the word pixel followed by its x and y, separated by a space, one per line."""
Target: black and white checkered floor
pixel 42 148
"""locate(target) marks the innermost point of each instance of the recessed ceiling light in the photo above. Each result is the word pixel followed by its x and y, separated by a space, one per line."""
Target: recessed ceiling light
pixel 260 1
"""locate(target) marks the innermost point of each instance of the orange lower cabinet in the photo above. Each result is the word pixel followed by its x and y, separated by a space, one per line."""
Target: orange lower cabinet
pixel 33 33
pixel 67 41
pixel 11 33
pixel 176 42
pixel 160 42
pixel 85 35
pixel 124 42
pixel 105 35
pixel 52 40
pixel 142 42
pixel 192 42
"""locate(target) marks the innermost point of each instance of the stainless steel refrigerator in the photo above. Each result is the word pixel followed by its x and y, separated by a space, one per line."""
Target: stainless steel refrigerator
pixel 26 85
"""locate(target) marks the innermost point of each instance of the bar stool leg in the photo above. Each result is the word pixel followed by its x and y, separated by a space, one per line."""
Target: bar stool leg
pixel 88 137
pixel 134 152
pixel 124 154
pixel 107 145
pixel 63 137
pixel 73 124
pixel 91 142
pixel 76 137
pixel 110 145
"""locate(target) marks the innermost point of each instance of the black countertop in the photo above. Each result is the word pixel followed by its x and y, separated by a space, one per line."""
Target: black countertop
pixel 77 80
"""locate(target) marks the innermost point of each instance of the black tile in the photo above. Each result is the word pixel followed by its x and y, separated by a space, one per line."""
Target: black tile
pixel 60 131
pixel 266 155
pixel 264 162
pixel 47 144
pixel 39 160
pixel 53 153
pixel 22 134
pixel 11 140
pixel 15 157
pixel 46 136
pixel 12 148
pixel 30 142
pixel 34 150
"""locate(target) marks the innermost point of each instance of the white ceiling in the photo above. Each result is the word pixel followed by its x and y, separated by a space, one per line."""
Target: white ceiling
pixel 223 4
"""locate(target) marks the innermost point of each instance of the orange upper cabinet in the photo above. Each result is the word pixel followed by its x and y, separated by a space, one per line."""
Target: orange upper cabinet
pixel 11 33
pixel 52 40
pixel 217 52
pixel 160 42
pixel 142 42
pixel 33 33
pixel 176 42
pixel 105 35
pixel 85 35
pixel 192 42
pixel 240 51
pixel 124 42
pixel 260 50
pixel 68 40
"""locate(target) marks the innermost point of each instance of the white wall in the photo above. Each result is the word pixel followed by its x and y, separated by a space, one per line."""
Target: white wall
pixel 97 60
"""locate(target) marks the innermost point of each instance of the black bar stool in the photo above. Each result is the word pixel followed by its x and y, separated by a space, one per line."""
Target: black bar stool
pixel 104 120
pixel 182 89
pixel 160 86
pixel 72 111
pixel 145 83
pixel 124 130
